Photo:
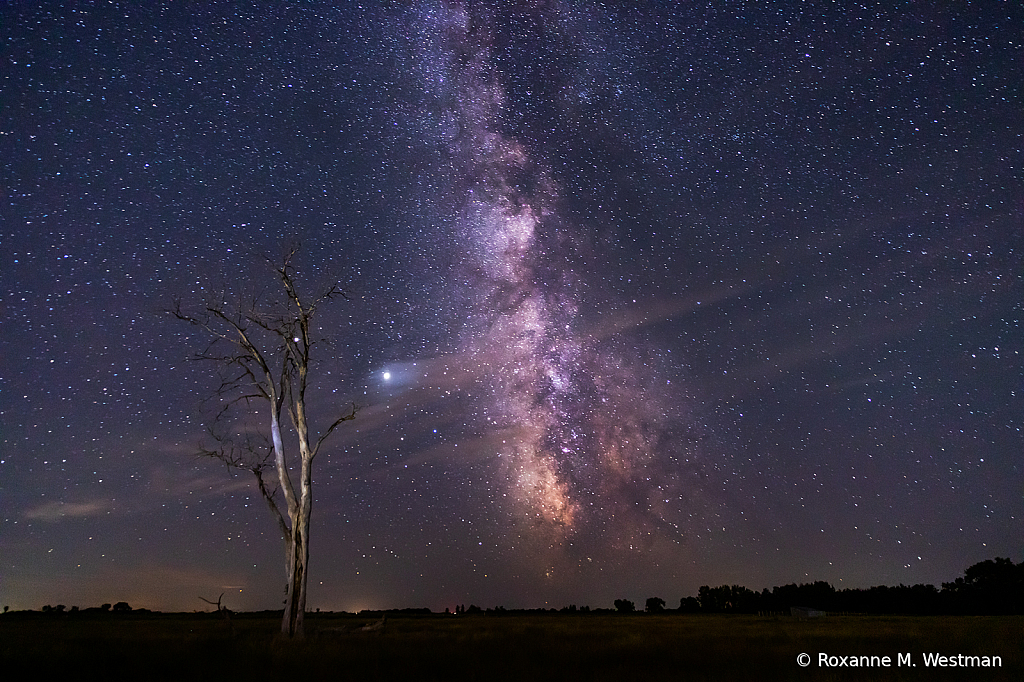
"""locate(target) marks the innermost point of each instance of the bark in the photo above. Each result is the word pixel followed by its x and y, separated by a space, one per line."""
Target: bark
pixel 295 602
pixel 298 562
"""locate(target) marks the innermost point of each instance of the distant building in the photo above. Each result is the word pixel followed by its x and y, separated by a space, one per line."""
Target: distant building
pixel 805 612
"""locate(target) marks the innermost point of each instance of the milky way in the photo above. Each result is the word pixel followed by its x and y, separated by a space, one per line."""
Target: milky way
pixel 584 434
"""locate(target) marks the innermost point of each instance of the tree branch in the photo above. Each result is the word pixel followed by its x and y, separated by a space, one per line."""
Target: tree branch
pixel 269 497
pixel 330 429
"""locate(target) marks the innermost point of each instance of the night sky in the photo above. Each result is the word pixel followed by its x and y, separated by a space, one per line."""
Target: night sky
pixel 638 299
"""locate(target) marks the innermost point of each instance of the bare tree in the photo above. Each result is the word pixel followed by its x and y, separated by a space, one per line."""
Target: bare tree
pixel 220 607
pixel 263 346
pixel 223 611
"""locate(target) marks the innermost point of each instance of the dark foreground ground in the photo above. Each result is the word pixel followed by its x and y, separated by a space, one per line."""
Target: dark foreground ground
pixel 512 647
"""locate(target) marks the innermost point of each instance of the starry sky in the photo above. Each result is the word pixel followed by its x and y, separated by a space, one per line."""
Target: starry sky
pixel 639 298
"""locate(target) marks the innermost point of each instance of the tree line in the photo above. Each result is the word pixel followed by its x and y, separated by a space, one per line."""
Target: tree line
pixel 991 587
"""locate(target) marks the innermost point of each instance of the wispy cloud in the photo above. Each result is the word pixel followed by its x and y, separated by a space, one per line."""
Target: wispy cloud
pixel 166 482
pixel 652 313
pixel 57 511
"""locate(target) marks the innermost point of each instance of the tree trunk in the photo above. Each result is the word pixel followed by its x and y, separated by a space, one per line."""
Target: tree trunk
pixel 298 555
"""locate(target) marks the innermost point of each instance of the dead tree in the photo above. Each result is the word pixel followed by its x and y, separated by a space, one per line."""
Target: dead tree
pixel 220 609
pixel 223 611
pixel 263 346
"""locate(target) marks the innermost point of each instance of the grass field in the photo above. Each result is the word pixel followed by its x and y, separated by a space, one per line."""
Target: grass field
pixel 510 647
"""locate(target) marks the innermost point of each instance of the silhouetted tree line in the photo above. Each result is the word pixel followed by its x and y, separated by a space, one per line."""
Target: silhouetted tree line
pixel 992 587
pixel 120 607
